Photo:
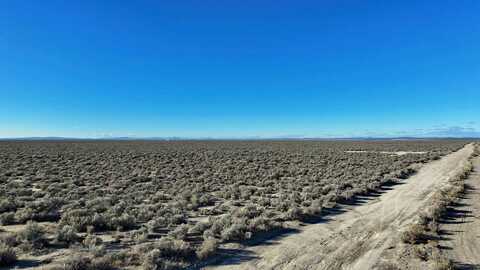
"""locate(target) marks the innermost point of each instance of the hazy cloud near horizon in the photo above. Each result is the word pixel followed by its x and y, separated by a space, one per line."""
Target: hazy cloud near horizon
pixel 437 131
pixel 453 131
pixel 442 131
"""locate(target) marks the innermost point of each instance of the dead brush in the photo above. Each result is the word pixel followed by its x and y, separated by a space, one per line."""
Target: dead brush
pixel 415 234
pixel 440 262
pixel 424 252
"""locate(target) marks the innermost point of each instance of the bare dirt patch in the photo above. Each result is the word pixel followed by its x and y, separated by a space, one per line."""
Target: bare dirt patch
pixel 398 153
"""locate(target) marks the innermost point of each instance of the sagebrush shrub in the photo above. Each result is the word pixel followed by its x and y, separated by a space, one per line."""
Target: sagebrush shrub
pixel 124 222
pixel 440 262
pixel 139 236
pixel 181 232
pixel 7 218
pixel 80 219
pixel 207 249
pixel 8 256
pixel 236 231
pixel 33 235
pixel 414 235
pixel 77 262
pixel 104 263
pixel 154 260
pixel 23 215
pixel 294 213
pixel 7 205
pixel 261 224
pixel 92 241
pixel 199 227
pixel 66 234
pixel 179 249
pixel 81 262
pixel 8 239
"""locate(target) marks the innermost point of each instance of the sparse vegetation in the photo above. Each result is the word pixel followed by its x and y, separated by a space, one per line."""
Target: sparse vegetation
pixel 414 235
pixel 208 248
pixel 67 235
pixel 169 204
pixel 79 262
pixel 427 226
pixel 32 236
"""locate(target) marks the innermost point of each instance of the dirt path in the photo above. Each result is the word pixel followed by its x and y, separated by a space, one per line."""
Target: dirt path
pixel 356 238
pixel 463 225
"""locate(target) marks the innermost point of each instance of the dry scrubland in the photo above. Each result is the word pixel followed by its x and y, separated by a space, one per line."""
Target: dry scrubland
pixel 168 205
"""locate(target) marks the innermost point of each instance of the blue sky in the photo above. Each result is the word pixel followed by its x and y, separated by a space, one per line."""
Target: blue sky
pixel 239 68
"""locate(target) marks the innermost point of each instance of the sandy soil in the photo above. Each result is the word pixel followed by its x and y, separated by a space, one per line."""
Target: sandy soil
pixel 462 227
pixel 399 153
pixel 356 237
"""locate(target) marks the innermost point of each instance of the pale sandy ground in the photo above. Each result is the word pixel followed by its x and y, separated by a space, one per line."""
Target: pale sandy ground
pixel 358 238
pixel 462 228
pixel 399 153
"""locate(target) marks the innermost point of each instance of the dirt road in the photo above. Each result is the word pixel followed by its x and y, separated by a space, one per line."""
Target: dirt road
pixel 462 227
pixel 356 238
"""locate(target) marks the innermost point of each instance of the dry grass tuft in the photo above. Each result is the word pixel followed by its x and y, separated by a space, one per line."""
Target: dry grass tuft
pixel 414 235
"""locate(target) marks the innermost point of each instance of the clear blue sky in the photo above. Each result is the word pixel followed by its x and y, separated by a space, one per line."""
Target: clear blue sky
pixel 239 68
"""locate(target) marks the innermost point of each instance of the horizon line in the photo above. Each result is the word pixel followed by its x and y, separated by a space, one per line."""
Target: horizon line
pixel 249 138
